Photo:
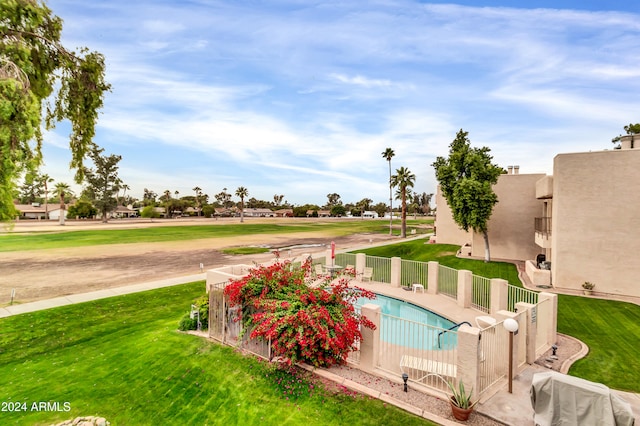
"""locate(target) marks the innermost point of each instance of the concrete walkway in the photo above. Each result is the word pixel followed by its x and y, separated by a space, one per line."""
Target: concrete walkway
pixel 96 295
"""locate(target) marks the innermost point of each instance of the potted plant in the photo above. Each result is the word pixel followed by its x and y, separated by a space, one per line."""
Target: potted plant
pixel 461 405
pixel 588 287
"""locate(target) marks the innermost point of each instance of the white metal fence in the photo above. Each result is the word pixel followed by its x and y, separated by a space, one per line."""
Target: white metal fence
pixel 481 295
pixel 494 356
pixel 427 354
pixel 519 294
pixel 448 281
pixel 414 272
pixel 381 268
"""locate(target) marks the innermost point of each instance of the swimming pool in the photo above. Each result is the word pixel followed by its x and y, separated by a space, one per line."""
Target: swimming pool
pixel 409 325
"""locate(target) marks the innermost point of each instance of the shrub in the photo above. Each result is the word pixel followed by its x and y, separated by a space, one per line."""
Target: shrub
pixel 189 323
pixel 316 325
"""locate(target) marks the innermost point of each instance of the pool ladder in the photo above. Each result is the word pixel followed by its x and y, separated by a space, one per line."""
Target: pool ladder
pixel 452 328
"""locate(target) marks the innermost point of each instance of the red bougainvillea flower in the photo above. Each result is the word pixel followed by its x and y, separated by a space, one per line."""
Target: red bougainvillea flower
pixel 317 325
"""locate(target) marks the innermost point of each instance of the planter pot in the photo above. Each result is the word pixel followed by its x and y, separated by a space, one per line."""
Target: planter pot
pixel 460 413
pixel 587 292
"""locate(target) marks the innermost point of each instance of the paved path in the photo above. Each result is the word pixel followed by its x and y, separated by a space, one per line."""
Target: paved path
pixel 95 295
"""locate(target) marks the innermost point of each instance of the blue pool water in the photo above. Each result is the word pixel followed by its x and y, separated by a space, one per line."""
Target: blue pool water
pixel 406 324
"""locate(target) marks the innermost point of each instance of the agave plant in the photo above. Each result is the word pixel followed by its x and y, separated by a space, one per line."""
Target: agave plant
pixel 460 397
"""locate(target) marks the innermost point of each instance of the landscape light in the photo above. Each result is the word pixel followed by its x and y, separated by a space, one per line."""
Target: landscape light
pixel 511 326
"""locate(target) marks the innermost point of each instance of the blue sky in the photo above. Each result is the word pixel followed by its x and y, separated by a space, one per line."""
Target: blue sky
pixel 300 98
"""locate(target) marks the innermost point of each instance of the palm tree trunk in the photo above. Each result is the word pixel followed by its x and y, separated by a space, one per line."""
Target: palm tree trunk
pixel 241 210
pixel 403 232
pixel 390 202
pixel 61 208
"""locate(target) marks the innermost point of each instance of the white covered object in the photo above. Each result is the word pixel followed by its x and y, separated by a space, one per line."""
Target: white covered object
pixel 561 400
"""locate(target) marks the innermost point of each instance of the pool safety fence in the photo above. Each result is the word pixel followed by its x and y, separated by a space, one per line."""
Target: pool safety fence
pixel 381 268
pixel 413 272
pixel 427 354
pixel 448 281
pixel 482 364
pixel 481 298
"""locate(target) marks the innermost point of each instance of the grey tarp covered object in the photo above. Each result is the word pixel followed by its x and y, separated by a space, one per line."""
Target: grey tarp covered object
pixel 561 400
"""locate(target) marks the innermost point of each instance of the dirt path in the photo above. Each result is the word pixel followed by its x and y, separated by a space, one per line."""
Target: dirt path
pixel 44 274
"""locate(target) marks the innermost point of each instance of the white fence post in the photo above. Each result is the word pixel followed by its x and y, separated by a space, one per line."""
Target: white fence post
pixel 552 321
pixel 432 277
pixel 530 313
pixel 465 288
pixel 370 344
pixel 468 358
pixel 499 295
pixel 396 272
pixel 361 262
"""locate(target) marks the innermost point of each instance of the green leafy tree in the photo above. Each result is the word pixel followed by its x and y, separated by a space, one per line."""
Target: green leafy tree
pixel 404 180
pixel 380 208
pixel 364 205
pixel 333 199
pixel 631 129
pixel 224 198
pixel 149 197
pixel 466 179
pixel 150 212
pixel 32 188
pixel 102 181
pixel 338 211
pixel 242 192
pixel 82 209
pixel 42 81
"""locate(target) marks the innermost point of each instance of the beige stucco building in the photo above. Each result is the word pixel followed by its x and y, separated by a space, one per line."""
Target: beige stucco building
pixel 585 220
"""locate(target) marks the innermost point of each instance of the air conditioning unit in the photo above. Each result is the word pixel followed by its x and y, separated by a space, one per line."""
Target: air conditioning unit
pixel 545 265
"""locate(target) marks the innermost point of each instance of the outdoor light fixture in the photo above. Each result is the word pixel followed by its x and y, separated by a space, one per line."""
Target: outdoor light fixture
pixel 554 348
pixel 405 377
pixel 511 326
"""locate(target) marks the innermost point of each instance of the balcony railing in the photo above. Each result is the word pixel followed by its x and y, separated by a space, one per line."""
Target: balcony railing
pixel 543 225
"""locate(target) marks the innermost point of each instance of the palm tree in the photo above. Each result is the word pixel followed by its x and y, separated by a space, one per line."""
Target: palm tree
pixel 198 192
pixel 387 155
pixel 124 187
pixel 242 192
pixel 403 179
pixel 45 179
pixel 62 189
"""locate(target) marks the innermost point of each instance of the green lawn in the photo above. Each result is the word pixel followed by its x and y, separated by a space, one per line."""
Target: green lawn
pixel 122 358
pixel 445 254
pixel 67 238
pixel 610 328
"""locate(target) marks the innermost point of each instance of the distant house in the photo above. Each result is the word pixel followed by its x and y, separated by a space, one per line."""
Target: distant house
pixel 254 212
pixel 321 213
pixel 284 213
pixel 124 211
pixel 37 211
pixel 31 211
pixel 224 212
pixel 370 215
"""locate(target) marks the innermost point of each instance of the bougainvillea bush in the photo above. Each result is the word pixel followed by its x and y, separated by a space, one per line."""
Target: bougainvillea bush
pixel 315 324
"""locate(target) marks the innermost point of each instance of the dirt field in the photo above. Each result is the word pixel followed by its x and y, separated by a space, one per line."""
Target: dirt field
pixel 43 274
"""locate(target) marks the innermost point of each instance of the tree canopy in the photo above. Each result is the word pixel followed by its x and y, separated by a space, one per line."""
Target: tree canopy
pixel 103 183
pixel 42 81
pixel 466 179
